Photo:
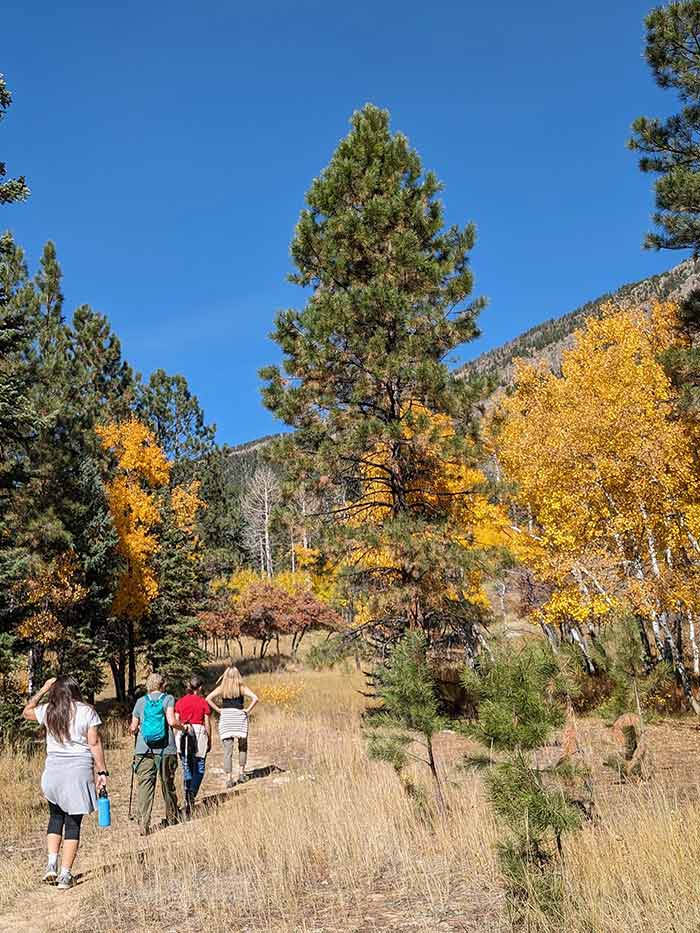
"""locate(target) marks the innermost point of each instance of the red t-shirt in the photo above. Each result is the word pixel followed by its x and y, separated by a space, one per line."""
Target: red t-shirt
pixel 192 709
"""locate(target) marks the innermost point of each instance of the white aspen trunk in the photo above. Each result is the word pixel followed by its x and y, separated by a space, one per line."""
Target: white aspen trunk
pixel 693 643
pixel 596 583
pixel 651 543
pixel 501 590
pixel 580 641
pixel 293 555
pixel 32 666
pixel 679 666
pixel 262 493
pixel 656 629
pixel 304 533
pixel 268 548
pixel 657 620
pixel 693 541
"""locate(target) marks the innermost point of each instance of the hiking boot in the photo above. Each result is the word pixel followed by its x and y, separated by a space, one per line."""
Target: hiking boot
pixel 230 783
pixel 243 777
pixel 50 876
pixel 65 881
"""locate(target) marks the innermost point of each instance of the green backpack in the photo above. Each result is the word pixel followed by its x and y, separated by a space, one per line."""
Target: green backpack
pixel 154 727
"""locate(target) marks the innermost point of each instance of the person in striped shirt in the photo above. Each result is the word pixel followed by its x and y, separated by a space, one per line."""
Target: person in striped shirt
pixel 228 700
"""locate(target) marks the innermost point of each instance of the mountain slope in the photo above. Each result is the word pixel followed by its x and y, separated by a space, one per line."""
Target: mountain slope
pixel 548 340
pixel 545 341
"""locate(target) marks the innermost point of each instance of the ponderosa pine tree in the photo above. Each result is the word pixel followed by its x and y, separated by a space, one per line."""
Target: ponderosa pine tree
pixel 20 422
pixel 103 383
pixel 14 189
pixel 166 404
pixel 410 711
pixel 671 147
pixel 364 361
pixel 80 379
pixel 519 696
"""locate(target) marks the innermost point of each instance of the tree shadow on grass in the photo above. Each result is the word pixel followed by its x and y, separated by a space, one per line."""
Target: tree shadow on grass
pixel 271 663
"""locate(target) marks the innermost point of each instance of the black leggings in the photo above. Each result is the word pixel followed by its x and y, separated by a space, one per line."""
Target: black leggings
pixel 63 824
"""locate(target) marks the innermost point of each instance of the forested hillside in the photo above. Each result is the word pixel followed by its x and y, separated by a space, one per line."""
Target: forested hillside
pixel 547 341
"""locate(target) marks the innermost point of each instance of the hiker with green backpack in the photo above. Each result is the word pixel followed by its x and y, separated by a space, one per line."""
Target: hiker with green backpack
pixel 152 722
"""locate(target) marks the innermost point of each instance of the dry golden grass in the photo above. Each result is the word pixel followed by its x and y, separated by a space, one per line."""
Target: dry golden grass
pixel 638 871
pixel 334 844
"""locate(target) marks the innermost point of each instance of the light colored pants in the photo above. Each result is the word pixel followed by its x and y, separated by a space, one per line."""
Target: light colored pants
pixel 228 753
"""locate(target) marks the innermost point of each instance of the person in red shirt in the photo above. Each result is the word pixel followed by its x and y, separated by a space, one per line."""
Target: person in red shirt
pixel 194 712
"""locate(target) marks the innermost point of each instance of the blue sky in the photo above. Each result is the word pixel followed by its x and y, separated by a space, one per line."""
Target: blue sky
pixel 168 147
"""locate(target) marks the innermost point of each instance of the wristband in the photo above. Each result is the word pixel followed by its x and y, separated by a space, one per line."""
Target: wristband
pixel 103 773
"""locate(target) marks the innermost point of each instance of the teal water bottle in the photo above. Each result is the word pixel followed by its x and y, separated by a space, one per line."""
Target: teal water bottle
pixel 103 810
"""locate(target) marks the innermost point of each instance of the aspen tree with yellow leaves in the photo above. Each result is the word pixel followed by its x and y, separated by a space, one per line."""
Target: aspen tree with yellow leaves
pixel 160 588
pixel 141 469
pixel 607 503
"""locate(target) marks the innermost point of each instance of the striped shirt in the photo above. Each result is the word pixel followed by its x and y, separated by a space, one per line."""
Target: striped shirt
pixel 233 722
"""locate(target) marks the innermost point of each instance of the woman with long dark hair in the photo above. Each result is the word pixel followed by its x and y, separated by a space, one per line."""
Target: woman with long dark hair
pixel 74 771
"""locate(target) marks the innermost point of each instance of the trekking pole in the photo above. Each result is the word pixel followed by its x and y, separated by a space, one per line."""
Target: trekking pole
pixel 131 789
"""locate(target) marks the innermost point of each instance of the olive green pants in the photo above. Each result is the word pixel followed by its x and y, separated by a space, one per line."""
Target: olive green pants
pixel 147 768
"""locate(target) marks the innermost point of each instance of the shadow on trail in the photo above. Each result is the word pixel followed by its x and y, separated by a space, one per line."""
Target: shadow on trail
pixel 211 801
pixel 248 666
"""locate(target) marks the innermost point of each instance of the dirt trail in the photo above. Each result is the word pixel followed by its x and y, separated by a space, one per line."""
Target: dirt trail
pixel 40 909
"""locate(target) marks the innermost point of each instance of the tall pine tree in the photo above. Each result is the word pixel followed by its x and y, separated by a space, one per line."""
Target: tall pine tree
pixel 14 189
pixel 364 364
pixel 166 404
pixel 671 147
pixel 20 421
pixel 170 629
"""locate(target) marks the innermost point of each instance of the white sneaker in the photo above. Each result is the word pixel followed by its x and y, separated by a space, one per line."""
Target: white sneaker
pixel 65 880
pixel 50 876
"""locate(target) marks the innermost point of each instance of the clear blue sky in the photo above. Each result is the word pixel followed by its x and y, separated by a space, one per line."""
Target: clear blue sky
pixel 168 147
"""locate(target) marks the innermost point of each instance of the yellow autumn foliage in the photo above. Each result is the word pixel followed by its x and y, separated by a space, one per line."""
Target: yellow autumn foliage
pixel 186 505
pixel 608 485
pixel 445 487
pixel 141 469
pixel 48 595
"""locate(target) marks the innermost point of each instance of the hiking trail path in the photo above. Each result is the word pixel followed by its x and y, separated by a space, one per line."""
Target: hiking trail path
pixel 37 909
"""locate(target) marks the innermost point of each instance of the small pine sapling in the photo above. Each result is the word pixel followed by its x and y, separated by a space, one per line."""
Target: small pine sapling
pixel 410 712
pixel 519 700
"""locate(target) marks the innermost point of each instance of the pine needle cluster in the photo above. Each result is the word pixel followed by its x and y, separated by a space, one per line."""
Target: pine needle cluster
pixel 410 715
pixel 519 697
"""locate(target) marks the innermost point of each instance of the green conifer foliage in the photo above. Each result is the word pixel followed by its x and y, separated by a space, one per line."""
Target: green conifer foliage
pixel 221 522
pixel 20 421
pixel 410 711
pixel 518 697
pixel 175 416
pixel 169 633
pixel 671 147
pixel 14 189
pixel 389 300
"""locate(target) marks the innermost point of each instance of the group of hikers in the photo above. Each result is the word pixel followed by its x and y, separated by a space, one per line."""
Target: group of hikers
pixel 164 730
